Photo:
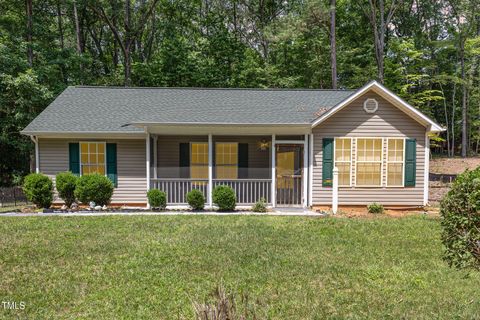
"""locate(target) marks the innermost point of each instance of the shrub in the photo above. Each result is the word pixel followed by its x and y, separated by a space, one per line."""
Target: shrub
pixel 224 197
pixel 38 189
pixel 260 206
pixel 65 183
pixel 375 208
pixel 196 199
pixel 157 199
pixel 460 212
pixel 94 187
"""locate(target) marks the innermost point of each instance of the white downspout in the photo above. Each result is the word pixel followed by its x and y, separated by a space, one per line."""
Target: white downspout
pixel 37 154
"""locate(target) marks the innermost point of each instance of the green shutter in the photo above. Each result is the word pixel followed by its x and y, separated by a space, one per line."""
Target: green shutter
pixel 243 160
pixel 184 158
pixel 112 163
pixel 74 158
pixel 410 162
pixel 327 162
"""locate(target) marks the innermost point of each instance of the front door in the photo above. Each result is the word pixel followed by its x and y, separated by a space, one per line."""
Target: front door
pixel 289 174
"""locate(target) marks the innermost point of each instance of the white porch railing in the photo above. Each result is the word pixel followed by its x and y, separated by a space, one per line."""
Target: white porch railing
pixel 248 191
pixel 177 188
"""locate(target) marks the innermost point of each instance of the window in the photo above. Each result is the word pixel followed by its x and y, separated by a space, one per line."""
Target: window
pixel 199 160
pixel 369 162
pixel 226 160
pixel 395 159
pixel 343 160
pixel 92 157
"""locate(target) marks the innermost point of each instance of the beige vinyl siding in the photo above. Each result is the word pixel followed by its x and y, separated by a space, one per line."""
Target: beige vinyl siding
pixel 168 154
pixel 353 121
pixel 132 185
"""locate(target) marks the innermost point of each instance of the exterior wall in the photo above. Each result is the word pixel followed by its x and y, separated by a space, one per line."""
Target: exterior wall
pixel 353 121
pixel 168 154
pixel 132 186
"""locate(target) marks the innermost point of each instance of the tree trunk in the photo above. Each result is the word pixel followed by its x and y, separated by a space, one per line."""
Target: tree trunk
pixel 77 28
pixel 60 25
pixel 29 9
pixel 333 44
pixel 127 44
pixel 464 100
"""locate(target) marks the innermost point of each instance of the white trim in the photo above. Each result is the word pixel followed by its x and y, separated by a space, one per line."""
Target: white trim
pixel 381 162
pixel 80 154
pixel 403 162
pixel 155 156
pixel 383 91
pixel 365 105
pixel 426 169
pixel 147 162
pixel 305 172
pixel 274 187
pixel 210 169
pixel 351 159
pixel 37 154
pixel 291 142
pixel 310 174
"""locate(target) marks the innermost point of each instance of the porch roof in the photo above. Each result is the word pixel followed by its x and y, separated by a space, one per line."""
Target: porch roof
pixel 84 109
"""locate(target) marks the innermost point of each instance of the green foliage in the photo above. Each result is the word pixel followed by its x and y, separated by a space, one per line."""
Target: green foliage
pixel 66 182
pixel 260 206
pixel 94 187
pixel 157 199
pixel 460 211
pixel 224 197
pixel 38 189
pixel 196 199
pixel 375 208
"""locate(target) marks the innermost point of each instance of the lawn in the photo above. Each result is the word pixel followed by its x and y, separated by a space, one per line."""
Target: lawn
pixel 142 267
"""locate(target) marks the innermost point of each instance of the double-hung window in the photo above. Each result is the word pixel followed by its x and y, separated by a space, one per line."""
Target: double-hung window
pixel 199 160
pixel 395 162
pixel 369 162
pixel 226 160
pixel 343 160
pixel 92 157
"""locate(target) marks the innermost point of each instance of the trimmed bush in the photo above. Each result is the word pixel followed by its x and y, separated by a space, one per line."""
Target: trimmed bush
pixel 94 187
pixel 157 199
pixel 66 183
pixel 224 197
pixel 375 208
pixel 260 206
pixel 196 199
pixel 460 211
pixel 38 189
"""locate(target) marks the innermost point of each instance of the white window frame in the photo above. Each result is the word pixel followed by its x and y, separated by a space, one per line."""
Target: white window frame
pixel 190 164
pixel 223 165
pixel 381 162
pixel 351 159
pixel 104 158
pixel 403 162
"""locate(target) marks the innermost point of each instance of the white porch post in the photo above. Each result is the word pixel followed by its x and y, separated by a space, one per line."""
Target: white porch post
pixel 310 173
pixel 274 189
pixel 147 162
pixel 305 171
pixel 155 156
pixel 37 154
pixel 210 169
pixel 335 190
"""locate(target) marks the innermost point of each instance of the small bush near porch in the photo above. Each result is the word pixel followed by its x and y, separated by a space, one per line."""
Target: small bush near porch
pixel 144 267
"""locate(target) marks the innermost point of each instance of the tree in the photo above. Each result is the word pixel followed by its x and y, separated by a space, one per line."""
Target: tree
pixel 333 44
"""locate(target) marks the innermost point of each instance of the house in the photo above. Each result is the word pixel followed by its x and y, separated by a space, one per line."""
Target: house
pixel 279 144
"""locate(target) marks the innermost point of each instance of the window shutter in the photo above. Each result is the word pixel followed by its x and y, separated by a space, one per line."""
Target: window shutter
pixel 327 162
pixel 112 163
pixel 410 162
pixel 243 160
pixel 184 160
pixel 74 158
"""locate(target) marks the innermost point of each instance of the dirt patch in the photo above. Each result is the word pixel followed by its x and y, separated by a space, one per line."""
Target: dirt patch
pixel 362 212
pixel 453 165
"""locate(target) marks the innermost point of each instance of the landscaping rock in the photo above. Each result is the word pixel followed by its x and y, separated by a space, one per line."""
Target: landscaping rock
pixel 64 207
pixel 74 207
pixel 104 207
pixel 98 208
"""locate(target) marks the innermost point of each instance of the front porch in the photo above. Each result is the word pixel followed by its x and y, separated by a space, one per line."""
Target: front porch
pixel 273 167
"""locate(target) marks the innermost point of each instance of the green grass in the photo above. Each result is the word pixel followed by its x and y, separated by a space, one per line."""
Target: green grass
pixel 138 267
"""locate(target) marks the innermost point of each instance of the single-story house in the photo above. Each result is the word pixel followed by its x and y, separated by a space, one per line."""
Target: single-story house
pixel 277 144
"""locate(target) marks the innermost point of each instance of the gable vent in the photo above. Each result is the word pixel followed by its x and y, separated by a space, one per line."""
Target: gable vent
pixel 370 105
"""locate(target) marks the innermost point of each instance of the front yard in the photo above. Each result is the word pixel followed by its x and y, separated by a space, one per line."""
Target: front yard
pixel 289 267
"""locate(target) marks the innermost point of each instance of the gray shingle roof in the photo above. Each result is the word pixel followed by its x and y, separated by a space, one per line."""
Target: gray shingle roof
pixel 110 109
